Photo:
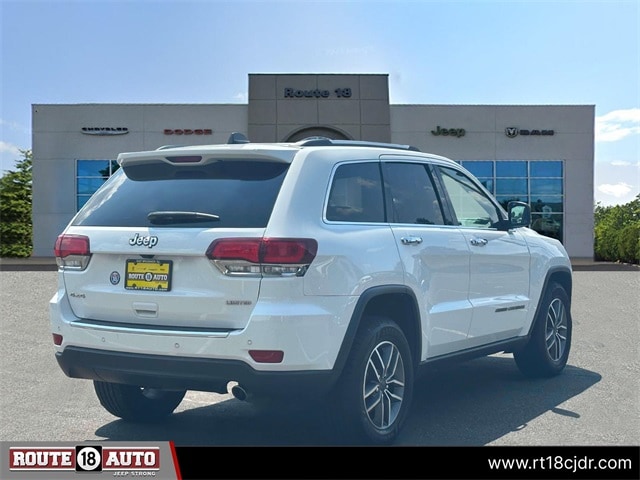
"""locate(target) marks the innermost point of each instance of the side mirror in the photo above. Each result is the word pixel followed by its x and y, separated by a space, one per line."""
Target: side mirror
pixel 519 214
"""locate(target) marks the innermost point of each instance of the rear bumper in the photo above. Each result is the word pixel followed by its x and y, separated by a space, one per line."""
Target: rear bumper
pixel 308 333
pixel 186 373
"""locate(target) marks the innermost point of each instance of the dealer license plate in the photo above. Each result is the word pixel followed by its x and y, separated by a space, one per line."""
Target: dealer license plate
pixel 148 275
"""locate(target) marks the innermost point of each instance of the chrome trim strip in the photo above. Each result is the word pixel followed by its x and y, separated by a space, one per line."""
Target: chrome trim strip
pixel 151 331
pixel 509 309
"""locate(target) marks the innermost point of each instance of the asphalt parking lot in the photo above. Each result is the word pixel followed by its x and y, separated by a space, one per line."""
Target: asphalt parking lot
pixel 596 401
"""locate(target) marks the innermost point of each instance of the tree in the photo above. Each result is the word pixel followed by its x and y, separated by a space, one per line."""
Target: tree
pixel 617 232
pixel 16 228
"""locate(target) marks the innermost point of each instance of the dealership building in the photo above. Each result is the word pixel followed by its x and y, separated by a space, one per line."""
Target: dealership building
pixel 541 154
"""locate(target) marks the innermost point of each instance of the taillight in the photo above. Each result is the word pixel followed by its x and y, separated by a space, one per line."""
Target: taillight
pixel 235 249
pixel 72 251
pixel 276 250
pixel 263 256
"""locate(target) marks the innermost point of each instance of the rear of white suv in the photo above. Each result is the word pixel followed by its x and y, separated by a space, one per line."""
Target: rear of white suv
pixel 319 267
pixel 169 258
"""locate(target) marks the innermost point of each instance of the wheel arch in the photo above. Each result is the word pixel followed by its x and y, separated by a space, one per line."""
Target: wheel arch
pixel 559 274
pixel 395 302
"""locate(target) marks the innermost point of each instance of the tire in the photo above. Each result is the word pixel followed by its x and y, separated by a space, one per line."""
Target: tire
pixel 375 390
pixel 137 404
pixel 547 351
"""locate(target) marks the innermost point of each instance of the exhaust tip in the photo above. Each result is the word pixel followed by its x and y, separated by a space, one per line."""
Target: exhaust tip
pixel 238 392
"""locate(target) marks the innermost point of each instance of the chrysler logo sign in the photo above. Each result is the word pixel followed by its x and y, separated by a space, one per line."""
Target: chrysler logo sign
pixel 105 130
pixel 513 132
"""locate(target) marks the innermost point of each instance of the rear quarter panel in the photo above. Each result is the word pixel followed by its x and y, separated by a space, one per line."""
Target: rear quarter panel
pixel 350 257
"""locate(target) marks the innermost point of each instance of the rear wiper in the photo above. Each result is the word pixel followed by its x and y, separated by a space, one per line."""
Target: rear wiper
pixel 169 217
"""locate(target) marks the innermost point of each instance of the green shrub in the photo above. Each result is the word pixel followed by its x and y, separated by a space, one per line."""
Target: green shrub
pixel 629 243
pixel 617 232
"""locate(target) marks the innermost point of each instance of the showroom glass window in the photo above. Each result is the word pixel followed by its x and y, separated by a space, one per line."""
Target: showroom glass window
pixel 90 175
pixel 536 182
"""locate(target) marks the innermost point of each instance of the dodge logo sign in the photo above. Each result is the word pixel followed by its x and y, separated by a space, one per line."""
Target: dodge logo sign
pixel 188 131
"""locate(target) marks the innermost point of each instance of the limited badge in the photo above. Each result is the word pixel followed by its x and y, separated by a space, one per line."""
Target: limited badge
pixel 114 278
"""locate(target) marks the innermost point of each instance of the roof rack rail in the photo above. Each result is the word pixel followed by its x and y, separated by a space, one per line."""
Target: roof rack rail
pixel 326 142
pixel 237 137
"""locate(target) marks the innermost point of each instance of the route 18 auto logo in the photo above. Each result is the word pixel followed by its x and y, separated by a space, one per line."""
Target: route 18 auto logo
pixel 122 461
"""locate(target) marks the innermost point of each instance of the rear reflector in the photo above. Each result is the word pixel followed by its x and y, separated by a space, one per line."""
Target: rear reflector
pixel 57 339
pixel 267 356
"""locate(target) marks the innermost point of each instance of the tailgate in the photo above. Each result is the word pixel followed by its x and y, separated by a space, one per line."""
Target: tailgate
pixel 165 285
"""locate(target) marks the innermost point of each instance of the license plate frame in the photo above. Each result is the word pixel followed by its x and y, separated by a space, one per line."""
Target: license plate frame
pixel 148 275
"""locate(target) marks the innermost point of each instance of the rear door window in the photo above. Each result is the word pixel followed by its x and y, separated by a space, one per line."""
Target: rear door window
pixel 411 195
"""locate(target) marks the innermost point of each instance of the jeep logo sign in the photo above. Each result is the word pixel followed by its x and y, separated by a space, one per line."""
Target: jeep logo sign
pixel 451 132
pixel 148 241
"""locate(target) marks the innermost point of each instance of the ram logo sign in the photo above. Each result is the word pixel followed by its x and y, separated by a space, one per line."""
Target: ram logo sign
pixel 513 132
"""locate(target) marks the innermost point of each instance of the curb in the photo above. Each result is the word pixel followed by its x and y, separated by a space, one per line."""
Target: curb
pixel 28 264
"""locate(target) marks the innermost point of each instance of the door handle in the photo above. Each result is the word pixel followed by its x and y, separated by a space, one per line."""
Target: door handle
pixel 479 242
pixel 411 240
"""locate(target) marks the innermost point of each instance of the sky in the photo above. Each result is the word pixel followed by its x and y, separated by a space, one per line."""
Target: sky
pixel 471 52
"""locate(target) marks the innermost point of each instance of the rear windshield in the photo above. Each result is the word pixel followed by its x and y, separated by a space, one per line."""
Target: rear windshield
pixel 224 194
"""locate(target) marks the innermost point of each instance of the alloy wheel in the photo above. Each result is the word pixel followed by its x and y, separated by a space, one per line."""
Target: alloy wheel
pixel 384 384
pixel 556 330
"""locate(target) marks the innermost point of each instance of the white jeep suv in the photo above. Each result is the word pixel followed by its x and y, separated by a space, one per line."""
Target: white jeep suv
pixel 326 267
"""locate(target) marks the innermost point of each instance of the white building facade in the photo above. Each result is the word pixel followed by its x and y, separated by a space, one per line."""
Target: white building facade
pixel 541 154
